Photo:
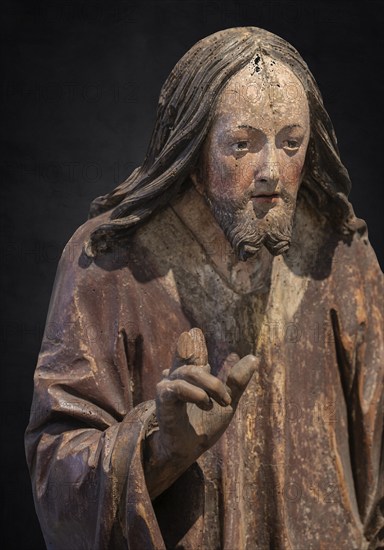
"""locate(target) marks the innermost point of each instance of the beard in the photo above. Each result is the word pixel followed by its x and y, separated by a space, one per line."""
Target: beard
pixel 247 231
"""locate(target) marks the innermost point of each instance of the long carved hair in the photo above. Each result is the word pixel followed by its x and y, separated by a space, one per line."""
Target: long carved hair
pixel 184 114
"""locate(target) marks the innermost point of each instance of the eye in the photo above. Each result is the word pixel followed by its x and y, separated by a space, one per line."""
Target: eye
pixel 291 144
pixel 240 145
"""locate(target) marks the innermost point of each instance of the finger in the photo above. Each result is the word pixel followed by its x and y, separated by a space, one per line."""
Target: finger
pixel 165 373
pixel 170 392
pixel 190 349
pixel 197 376
pixel 200 353
pixel 185 347
pixel 240 375
pixel 228 364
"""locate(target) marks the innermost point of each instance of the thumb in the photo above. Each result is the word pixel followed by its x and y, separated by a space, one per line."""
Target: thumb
pixel 240 375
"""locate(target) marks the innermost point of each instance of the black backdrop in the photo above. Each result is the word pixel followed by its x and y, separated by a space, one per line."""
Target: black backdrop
pixel 80 85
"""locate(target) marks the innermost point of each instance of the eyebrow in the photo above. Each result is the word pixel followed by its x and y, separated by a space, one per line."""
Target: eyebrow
pixel 249 127
pixel 293 126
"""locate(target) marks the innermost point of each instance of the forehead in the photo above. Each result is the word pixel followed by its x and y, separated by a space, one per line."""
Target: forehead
pixel 264 88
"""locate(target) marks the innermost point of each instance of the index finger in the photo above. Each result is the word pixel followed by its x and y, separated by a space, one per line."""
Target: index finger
pixel 190 349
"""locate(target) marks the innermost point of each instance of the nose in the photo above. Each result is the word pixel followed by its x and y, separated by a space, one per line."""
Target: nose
pixel 267 171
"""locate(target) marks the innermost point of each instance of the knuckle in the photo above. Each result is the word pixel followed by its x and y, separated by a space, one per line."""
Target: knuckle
pixel 217 386
pixel 160 386
pixel 176 387
pixel 163 388
pixel 178 373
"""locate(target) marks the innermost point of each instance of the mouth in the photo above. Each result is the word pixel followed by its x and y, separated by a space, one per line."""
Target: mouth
pixel 266 198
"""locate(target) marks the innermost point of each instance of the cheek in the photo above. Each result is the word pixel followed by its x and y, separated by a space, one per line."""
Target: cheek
pixel 226 176
pixel 290 172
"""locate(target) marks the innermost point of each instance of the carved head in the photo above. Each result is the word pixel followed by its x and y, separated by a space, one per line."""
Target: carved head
pixel 252 161
pixel 282 104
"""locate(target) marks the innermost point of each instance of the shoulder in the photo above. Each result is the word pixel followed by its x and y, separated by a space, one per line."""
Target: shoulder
pixel 140 257
pixel 355 255
pixel 81 275
pixel 358 283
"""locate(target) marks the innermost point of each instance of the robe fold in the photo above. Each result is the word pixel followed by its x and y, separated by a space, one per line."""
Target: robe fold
pixel 300 466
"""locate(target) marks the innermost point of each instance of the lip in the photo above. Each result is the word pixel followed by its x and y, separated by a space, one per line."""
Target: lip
pixel 266 197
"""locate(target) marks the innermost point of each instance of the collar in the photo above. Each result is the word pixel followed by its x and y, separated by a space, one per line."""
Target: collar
pixel 246 277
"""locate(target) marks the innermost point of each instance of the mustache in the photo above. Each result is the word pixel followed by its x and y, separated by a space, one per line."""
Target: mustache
pixel 245 231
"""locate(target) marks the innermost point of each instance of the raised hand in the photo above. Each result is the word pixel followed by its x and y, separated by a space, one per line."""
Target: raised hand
pixel 193 409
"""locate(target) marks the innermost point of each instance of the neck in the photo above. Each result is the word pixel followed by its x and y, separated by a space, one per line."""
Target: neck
pixel 249 276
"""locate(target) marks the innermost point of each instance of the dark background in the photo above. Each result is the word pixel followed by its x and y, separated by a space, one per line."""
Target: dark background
pixel 80 86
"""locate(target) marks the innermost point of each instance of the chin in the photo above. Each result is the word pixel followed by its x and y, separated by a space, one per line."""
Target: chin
pixel 275 246
pixel 247 233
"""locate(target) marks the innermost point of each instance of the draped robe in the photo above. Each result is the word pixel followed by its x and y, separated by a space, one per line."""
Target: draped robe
pixel 300 466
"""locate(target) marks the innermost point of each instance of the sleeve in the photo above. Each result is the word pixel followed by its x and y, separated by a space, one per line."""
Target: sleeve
pixel 358 323
pixel 84 439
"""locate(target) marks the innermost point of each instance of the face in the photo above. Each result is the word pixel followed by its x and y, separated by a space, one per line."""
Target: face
pixel 252 161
